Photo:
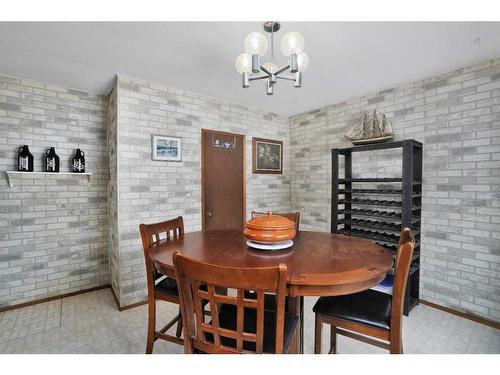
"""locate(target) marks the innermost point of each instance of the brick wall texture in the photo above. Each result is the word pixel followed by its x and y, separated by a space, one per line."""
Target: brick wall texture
pixel 457 117
pixel 113 238
pixel 151 191
pixel 53 229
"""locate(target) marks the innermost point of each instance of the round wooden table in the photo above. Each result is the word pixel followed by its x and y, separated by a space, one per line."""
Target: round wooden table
pixel 319 264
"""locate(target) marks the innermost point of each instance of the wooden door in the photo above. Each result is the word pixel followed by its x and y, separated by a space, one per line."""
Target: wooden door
pixel 223 180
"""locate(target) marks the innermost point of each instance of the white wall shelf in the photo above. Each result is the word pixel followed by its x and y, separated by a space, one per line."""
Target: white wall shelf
pixel 12 174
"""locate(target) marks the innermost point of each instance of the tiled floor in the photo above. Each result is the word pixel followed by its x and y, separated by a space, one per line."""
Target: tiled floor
pixel 91 323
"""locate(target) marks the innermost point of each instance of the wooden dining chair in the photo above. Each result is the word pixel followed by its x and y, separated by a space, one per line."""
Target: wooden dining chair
pixel 370 316
pixel 293 216
pixel 161 287
pixel 238 324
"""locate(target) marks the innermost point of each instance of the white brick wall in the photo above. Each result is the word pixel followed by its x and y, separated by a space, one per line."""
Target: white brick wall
pixel 457 117
pixel 52 229
pixel 113 238
pixel 151 191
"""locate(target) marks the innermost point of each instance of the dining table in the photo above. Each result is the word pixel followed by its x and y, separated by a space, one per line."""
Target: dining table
pixel 318 263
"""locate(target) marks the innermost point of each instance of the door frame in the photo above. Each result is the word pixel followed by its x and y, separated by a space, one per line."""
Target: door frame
pixel 244 189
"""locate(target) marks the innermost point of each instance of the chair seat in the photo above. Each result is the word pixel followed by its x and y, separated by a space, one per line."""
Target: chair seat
pixel 369 307
pixel 227 319
pixel 167 285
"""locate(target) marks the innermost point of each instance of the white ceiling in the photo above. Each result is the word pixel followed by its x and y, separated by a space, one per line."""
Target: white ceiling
pixel 347 58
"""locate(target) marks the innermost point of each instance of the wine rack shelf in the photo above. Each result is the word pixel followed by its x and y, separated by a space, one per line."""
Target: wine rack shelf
pixel 378 208
pixel 379 225
pixel 372 202
pixel 376 202
pixel 389 215
pixel 385 180
pixel 377 192
pixel 344 180
pixel 377 236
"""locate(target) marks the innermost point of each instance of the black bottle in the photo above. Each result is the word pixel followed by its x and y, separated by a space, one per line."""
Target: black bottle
pixel 51 160
pixel 78 163
pixel 24 159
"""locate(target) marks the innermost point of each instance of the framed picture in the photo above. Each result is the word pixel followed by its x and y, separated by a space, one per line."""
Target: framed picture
pixel 267 156
pixel 166 148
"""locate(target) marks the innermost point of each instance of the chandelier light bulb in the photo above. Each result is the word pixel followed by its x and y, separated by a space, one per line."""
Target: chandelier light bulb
pixel 292 42
pixel 243 63
pixel 303 61
pixel 256 43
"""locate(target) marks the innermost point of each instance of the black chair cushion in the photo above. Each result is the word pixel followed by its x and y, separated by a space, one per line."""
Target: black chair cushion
pixel 227 319
pixel 269 300
pixel 167 286
pixel 369 307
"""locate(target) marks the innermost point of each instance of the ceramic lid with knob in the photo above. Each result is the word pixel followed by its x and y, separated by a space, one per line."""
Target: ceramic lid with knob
pixel 270 222
pixel 270 228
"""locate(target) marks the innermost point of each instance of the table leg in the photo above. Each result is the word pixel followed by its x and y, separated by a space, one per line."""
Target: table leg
pixel 296 306
pixel 301 317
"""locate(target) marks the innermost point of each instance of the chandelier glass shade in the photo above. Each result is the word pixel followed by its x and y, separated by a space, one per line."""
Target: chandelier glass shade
pixel 256 43
pixel 248 64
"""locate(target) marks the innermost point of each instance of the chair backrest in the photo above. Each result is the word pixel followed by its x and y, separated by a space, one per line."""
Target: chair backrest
pixel 293 216
pixel 401 270
pixel 209 337
pixel 153 233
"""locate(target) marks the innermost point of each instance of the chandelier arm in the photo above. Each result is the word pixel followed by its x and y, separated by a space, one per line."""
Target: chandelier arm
pixel 266 71
pixel 286 78
pixel 256 78
pixel 282 70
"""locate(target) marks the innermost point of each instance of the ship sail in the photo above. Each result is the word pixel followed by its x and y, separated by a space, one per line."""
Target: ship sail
pixel 386 126
pixel 371 130
pixel 359 130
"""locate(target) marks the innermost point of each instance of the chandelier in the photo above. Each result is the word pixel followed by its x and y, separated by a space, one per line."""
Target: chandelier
pixel 292 46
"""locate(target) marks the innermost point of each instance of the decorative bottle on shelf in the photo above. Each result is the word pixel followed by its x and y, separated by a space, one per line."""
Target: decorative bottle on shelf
pixel 51 160
pixel 24 159
pixel 78 164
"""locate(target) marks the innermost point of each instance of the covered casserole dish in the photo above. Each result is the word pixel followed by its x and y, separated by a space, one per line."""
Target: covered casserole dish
pixel 269 229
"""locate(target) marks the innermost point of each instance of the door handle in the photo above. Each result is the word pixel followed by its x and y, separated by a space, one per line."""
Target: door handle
pixel 209 214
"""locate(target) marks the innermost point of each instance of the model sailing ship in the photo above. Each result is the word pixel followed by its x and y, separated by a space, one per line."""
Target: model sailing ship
pixel 371 130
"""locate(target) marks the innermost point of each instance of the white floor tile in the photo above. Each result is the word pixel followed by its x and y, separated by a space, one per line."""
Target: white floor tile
pixel 91 323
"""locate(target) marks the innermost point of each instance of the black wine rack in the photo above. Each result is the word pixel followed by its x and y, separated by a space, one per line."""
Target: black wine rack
pixel 380 213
